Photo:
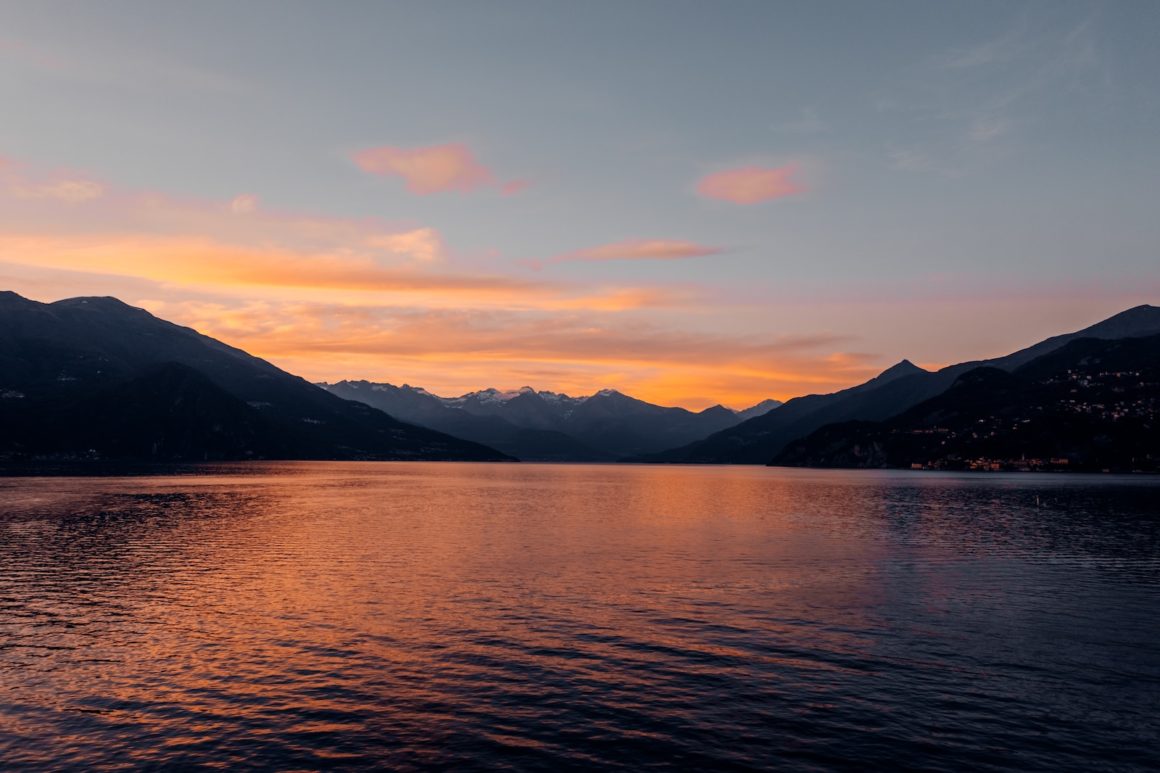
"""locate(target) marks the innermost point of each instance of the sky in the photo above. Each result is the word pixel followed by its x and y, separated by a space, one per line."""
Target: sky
pixel 694 203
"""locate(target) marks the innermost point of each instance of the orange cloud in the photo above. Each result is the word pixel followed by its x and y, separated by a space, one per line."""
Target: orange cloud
pixel 451 351
pixel 200 262
pixel 431 169
pixel 332 297
pixel 751 184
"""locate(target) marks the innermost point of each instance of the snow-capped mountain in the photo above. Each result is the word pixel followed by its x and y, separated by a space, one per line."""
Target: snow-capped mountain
pixel 544 425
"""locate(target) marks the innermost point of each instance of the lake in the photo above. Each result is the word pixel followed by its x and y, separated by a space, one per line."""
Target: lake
pixel 415 615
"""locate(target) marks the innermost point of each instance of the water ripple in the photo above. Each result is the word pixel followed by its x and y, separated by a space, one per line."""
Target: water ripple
pixel 361 616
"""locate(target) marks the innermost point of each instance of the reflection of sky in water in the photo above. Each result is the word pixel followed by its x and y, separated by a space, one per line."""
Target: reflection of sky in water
pixel 315 614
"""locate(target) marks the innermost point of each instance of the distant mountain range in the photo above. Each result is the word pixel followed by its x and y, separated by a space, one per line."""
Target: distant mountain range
pixel 93 378
pixel 548 426
pixel 901 387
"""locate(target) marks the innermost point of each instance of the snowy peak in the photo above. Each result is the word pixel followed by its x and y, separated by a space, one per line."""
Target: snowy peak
pixel 533 424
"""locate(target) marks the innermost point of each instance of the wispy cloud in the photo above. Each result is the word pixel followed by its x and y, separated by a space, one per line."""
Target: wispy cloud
pixel 58 186
pixel 1002 48
pixel 987 128
pixel 434 168
pixel 972 101
pixel 244 204
pixel 635 250
pixel 751 184
pixel 119 68
pixel 922 160
pixel 67 204
pixel 806 122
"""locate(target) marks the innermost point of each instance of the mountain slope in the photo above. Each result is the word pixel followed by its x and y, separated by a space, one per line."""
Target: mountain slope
pixel 1090 404
pixel 169 413
pixel 760 439
pixel 55 356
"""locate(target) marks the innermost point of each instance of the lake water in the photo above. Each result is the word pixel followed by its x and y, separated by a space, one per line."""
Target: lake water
pixel 318 615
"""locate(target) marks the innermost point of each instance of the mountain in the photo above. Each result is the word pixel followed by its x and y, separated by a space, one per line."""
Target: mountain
pixel 760 439
pixel 548 426
pixel 1090 404
pixel 481 425
pixel 96 378
pixel 765 406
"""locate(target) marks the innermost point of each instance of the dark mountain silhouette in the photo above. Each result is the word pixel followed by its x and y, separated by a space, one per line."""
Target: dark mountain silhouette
pixel 760 439
pixel 94 377
pixel 765 406
pixel 1091 404
pixel 547 426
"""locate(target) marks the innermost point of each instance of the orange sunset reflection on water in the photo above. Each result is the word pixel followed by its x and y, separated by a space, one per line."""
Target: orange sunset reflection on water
pixel 307 615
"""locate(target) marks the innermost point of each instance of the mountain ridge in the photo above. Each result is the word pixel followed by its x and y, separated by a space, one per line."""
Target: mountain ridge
pixel 1091 404
pixel 604 426
pixel 760 439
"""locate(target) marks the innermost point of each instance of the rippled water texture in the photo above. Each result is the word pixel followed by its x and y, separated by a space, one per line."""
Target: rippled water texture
pixel 415 615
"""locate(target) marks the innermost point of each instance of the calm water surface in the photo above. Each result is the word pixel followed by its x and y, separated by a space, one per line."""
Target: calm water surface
pixel 316 615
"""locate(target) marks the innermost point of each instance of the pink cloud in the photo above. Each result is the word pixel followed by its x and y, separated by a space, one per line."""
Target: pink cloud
pixel 433 169
pixel 636 249
pixel 751 184
pixel 512 187
pixel 60 186
pixel 645 249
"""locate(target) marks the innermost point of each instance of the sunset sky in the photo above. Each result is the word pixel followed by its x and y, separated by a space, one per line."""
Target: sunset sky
pixel 695 203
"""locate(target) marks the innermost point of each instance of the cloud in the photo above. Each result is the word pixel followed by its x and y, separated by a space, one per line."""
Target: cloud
pixel 636 249
pixel 1000 49
pixel 333 297
pixel 512 187
pixel 751 184
pixel 33 203
pixel 424 244
pixel 105 65
pixel 238 247
pixel 194 260
pixel 244 204
pixel 918 160
pixel 67 190
pixel 969 108
pixel 433 169
pixel 987 128
pixel 454 350
pixel 202 264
